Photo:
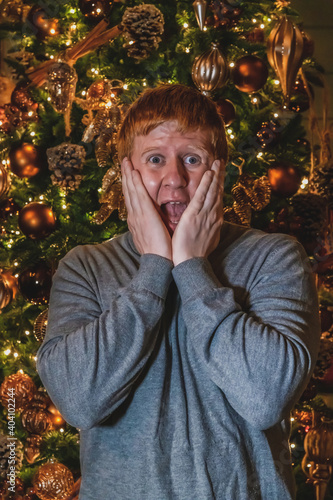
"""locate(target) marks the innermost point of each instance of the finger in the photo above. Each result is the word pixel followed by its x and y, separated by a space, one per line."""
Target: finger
pixel 199 198
pixel 124 170
pixel 214 189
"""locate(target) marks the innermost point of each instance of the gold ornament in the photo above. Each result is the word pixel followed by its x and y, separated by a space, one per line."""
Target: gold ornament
pixel 284 52
pixel 105 125
pixel 112 197
pixel 32 448
pixel 200 9
pixel 318 445
pixel 36 420
pixel 249 194
pixel 8 288
pixel 210 70
pixel 53 481
pixel 19 386
pixel 55 416
pixel 40 325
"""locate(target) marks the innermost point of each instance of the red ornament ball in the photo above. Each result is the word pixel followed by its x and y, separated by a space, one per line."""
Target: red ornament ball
pixel 26 160
pixel 36 220
pixel 227 110
pixel 35 283
pixel 284 179
pixel 250 74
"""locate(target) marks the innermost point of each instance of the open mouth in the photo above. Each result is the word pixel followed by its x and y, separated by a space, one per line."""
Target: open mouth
pixel 173 210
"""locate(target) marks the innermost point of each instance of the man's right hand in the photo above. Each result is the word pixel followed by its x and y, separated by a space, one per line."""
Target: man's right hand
pixel 150 235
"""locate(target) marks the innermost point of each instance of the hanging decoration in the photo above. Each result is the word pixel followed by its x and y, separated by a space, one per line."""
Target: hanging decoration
pixel 323 372
pixel 227 110
pixel 112 197
pixel 141 25
pixel 66 162
pixel 13 10
pixel 249 74
pixel 53 481
pixel 210 70
pixel 94 10
pixel 284 179
pixel 8 288
pixel 61 85
pixel 36 220
pixel 40 325
pixel 22 386
pixel 200 10
pixel 105 126
pixel 285 53
pixel 35 283
pixel 26 160
pixel 318 459
pixel 249 194
pixel 36 420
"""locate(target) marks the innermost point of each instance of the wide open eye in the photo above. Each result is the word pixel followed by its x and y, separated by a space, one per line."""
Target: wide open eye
pixel 155 159
pixel 192 160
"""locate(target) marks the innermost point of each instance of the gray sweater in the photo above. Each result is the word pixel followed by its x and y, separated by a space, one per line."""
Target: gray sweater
pixel 181 379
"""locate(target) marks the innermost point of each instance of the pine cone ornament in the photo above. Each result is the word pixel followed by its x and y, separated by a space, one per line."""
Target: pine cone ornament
pixel 6 454
pixel 66 162
pixel 142 25
pixel 323 182
pixel 310 208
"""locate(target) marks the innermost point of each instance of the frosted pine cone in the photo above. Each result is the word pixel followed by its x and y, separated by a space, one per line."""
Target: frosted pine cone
pixel 142 26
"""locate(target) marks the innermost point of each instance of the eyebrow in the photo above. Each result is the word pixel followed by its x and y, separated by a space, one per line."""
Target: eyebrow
pixel 195 148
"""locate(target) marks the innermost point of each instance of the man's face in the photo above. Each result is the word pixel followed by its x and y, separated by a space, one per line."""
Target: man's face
pixel 171 165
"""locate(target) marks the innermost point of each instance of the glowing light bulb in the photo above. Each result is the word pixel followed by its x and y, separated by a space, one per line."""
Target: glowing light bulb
pixel 27 332
pixel 125 86
pixel 15 355
pixel 232 64
pixel 7 351
pixel 254 20
pixel 277 82
pixel 185 25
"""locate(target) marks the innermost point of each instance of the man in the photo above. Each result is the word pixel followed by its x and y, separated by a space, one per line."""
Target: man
pixel 179 348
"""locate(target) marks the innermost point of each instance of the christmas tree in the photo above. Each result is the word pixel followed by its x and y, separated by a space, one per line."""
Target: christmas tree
pixel 69 72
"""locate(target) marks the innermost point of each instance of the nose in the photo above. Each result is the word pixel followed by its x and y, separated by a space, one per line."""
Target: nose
pixel 175 174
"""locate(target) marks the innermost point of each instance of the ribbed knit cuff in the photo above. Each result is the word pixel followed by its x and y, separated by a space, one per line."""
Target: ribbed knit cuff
pixel 154 274
pixel 193 276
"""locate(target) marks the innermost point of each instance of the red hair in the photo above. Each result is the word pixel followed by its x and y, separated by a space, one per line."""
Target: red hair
pixel 191 109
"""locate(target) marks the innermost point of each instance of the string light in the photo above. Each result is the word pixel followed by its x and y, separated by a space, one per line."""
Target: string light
pixel 292 445
pixel 64 207
pixel 7 351
pixel 4 162
pixel 262 26
pixel 254 21
pixel 49 98
pixel 254 100
pixel 72 11
pixel 232 64
pixel 276 115
pixel 292 419
pixel 205 28
pixel 68 43
pixel 185 25
pixel 15 355
pixel 27 332
pixel 32 134
pixel 51 57
pixel 259 155
pixel 277 82
pixel 83 92
pixel 73 27
pixel 187 50
pixel 131 42
pixel 125 86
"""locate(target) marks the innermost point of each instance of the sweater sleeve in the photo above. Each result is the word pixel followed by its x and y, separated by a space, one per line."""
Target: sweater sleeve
pixel 90 358
pixel 260 355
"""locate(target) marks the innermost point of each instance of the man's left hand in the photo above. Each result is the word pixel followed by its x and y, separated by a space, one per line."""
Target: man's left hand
pixel 198 231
